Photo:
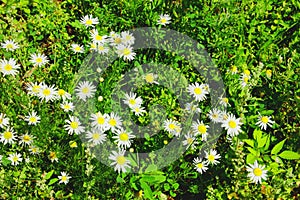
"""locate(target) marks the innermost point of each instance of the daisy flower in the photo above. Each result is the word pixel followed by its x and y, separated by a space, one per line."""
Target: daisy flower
pixel 32 118
pixel 212 157
pixel 89 21
pixel 39 59
pixel 164 19
pixel 77 48
pixel 114 122
pixel 64 178
pixel 123 138
pixel 100 121
pixel 172 126
pixel 256 172
pixel 190 141
pixel 269 73
pixel 138 110
pixel 224 101
pixel 244 80
pixel 132 100
pixel 197 91
pixel 4 121
pixel 201 129
pixel 192 108
pixel 215 115
pixel 73 126
pixel 9 67
pixel 264 121
pixel 85 89
pixel 102 49
pixel 53 156
pixel 115 39
pixel 48 93
pixel 98 39
pixel 125 52
pixel 8 136
pixel 232 125
pixel 200 166
pixel 10 45
pixel 63 94
pixel 119 161
pixel 15 158
pixel 93 46
pixel 96 136
pixel 246 72
pixel 67 106
pixel 33 88
pixel 34 150
pixel 150 78
pixel 127 38
pixel 233 69
pixel 26 139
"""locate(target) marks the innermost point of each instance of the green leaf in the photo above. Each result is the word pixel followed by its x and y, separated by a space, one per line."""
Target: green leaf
pixel 278 147
pixel 262 141
pixel 249 142
pixel 290 155
pixel 147 190
pixel 252 151
pixel 120 180
pixel 151 168
pixel 54 180
pixel 257 134
pixel 250 158
pixel 49 174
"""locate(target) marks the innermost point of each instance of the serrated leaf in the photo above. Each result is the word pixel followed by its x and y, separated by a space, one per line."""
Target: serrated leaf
pixel 290 155
pixel 278 147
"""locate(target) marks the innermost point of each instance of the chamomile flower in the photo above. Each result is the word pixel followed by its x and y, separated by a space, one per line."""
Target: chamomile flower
pixel 85 89
pixel 200 166
pixel 8 136
pixel 64 178
pixel 89 21
pixel 212 157
pixel 53 156
pixel 115 39
pixel 48 93
pixel 63 94
pixel 32 118
pixel 39 59
pixel 172 126
pixel 77 48
pixel 246 72
pixel 125 52
pixel 26 139
pixel 100 121
pixel 233 69
pixel 151 78
pixel 15 158
pixel 199 128
pixel 114 122
pixel 244 80
pixel 264 121
pixel 93 46
pixel 232 125
pixel 190 107
pixel 102 49
pixel 98 39
pixel 123 138
pixel 215 115
pixel 224 101
pixel 223 116
pixel 9 67
pixel 164 20
pixel 197 91
pixel 256 172
pixel 190 141
pixel 67 106
pixel 96 136
pixel 138 110
pixel 33 88
pixel 10 45
pixel 34 150
pixel 132 100
pixel 119 161
pixel 127 38
pixel 4 121
pixel 73 125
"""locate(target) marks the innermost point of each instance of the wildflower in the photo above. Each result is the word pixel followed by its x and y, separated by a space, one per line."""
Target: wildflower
pixel 15 158
pixel 200 166
pixel 269 73
pixel 96 136
pixel 233 69
pixel 201 129
pixel 224 101
pixel 212 157
pixel 245 80
pixel 10 45
pixel 32 118
pixel 119 161
pixel 256 172
pixel 85 89
pixel 98 39
pixel 215 115
pixel 48 93
pixel 64 178
pixel 114 121
pixel 67 106
pixel 164 20
pixel 77 48
pixel 197 91
pixel 33 88
pixel 150 78
pixel 26 139
pixel 53 157
pixel 34 150
pixel 190 141
pixel 89 21
pixel 264 121
pixel 4 121
pixel 127 38
pixel 115 39
pixel 100 121
pixel 232 125
pixel 39 59
pixel 131 100
pixel 9 67
pixel 172 127
pixel 138 110
pixel 8 136
pixel 63 94
pixel 73 126
pixel 102 49
pixel 125 52
pixel 123 138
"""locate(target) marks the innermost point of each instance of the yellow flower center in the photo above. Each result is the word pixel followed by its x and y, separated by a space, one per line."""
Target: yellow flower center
pixel 257 172
pixel 132 101
pixel 163 20
pixel 197 91
pixel 64 178
pixel 39 60
pixel 101 120
pixel 26 138
pixel 74 125
pixel 93 46
pixel 9 46
pixel 200 165
pixel 52 155
pixel 98 37
pixel 126 52
pixel 202 128
pixel 96 136
pixel 7 135
pixel 149 78
pixel 36 88
pixel 121 160
pixel 137 109
pixel 15 158
pixel 233 69
pixel 32 119
pixel 7 67
pixel 61 92
pixel 247 72
pixel 232 124
pixel 124 136
pixel 128 37
pixel 269 73
pixel 172 126
pixel 89 22
pixel 46 92
pixel 1 120
pixel 101 48
pixel 211 158
pixel 264 119
pixel 215 116
pixel 225 100
pixel 67 106
pixel 112 122
pixel 118 40
pixel 190 140
pixel 85 90
pixel 246 79
pixel 77 48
